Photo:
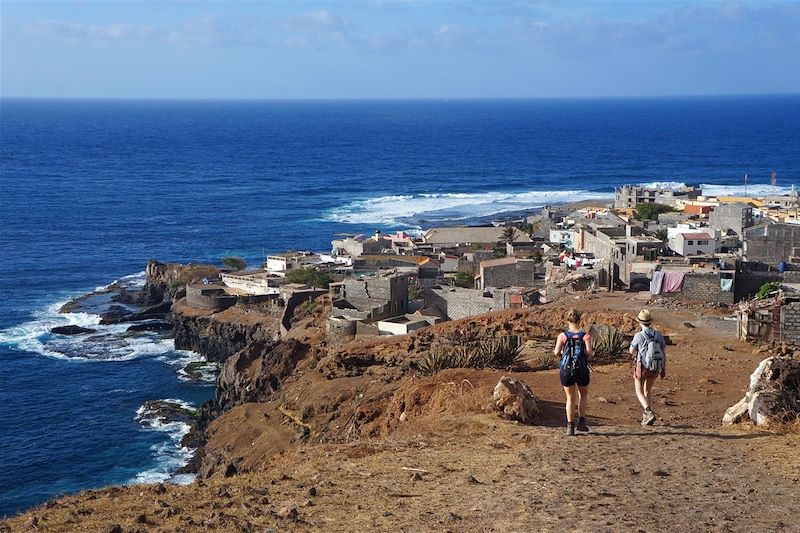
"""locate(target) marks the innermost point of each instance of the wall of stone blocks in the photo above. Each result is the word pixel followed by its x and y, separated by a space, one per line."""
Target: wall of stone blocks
pixel 500 276
pixel 702 288
pixel 462 303
pixel 790 322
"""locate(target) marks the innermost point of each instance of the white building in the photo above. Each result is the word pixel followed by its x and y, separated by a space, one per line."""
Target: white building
pixel 562 236
pixel 280 264
pixel 253 282
pixel 694 243
pixel 404 324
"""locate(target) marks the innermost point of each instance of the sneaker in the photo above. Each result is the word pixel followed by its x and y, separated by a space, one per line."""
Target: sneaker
pixel 570 429
pixel 648 418
pixel 582 424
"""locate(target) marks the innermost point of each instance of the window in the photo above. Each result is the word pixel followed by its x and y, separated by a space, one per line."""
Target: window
pixel 690 243
pixel 702 243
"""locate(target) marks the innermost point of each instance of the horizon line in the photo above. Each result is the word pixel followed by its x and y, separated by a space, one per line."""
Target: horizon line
pixel 398 98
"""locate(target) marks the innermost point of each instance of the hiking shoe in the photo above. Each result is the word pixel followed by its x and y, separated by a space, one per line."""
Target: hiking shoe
pixel 648 418
pixel 582 424
pixel 571 429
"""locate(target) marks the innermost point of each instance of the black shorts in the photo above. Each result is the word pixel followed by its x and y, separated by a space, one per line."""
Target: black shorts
pixel 580 378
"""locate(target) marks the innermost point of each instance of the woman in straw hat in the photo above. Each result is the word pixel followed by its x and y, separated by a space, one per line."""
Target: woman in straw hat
pixel 643 377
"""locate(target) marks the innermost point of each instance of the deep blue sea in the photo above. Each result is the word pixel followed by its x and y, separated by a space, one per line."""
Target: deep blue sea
pixel 91 189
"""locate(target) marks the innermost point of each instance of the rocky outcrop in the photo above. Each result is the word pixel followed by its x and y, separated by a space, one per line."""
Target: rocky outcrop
pixel 254 373
pixel 515 400
pixel 71 330
pixel 773 394
pixel 165 282
pixel 218 335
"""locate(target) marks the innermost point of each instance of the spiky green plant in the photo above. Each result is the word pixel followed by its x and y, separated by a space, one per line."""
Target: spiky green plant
pixel 608 345
pixel 439 358
pixel 502 352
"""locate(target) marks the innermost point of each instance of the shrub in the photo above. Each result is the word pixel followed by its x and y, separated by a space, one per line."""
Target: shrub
pixel 236 263
pixel 498 353
pixel 608 345
pixel 767 288
pixel 463 279
pixel 502 352
pixel 651 211
pixel 309 276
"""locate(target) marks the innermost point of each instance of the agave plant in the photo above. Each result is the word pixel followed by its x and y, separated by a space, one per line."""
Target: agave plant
pixel 608 344
pixel 502 352
pixel 439 358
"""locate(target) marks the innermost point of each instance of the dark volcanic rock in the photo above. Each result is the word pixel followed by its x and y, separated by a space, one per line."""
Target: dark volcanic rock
pixel 115 314
pixel 71 330
pixel 151 326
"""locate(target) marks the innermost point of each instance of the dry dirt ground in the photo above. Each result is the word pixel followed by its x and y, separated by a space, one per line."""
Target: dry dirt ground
pixel 453 465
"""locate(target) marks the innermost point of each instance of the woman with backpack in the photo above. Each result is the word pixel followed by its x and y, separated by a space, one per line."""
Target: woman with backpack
pixel 649 348
pixel 574 346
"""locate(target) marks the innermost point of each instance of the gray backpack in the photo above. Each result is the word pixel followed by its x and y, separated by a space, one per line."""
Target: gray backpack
pixel 654 358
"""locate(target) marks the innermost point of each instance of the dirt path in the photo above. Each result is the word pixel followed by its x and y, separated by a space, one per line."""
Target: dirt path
pixel 478 473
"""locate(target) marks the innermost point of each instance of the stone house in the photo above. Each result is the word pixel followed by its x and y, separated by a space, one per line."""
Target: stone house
pixel 735 217
pixel 772 243
pixel 370 298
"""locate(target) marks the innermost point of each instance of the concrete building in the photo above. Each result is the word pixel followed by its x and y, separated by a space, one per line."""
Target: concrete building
pixel 693 243
pixel 628 196
pixel 509 272
pixel 370 298
pixel 564 237
pixel 282 263
pixel 405 324
pixel 772 243
pixel 489 235
pixel 734 217
pixel 253 282
pixel 456 302
pixel 358 245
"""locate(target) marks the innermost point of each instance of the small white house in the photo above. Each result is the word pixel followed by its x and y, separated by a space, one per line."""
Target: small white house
pixel 562 236
pixel 254 282
pixel 693 243
pixel 404 324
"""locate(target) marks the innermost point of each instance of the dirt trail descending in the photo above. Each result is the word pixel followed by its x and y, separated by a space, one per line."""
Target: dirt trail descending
pixel 477 473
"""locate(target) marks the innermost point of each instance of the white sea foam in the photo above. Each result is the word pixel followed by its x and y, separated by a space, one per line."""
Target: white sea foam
pixel 169 456
pixel 663 185
pixel 413 209
pixel 758 189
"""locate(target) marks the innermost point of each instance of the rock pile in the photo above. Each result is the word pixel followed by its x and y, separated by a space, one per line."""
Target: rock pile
pixel 773 394
pixel 515 400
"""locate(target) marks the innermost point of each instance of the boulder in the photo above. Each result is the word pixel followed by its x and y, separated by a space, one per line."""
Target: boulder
pixel 515 400
pixel 773 394
pixel 71 330
pixel 151 326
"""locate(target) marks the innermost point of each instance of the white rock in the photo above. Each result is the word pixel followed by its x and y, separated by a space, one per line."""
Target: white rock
pixel 515 400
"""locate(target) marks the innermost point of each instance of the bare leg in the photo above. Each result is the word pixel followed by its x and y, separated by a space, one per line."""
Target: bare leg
pixel 570 392
pixel 584 396
pixel 648 388
pixel 637 385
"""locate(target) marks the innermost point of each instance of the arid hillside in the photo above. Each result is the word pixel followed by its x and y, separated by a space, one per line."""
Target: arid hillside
pixel 354 438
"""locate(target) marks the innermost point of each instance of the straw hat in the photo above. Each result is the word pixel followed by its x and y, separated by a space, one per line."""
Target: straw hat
pixel 644 316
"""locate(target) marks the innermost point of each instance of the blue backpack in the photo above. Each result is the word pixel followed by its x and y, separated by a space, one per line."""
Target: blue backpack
pixel 573 358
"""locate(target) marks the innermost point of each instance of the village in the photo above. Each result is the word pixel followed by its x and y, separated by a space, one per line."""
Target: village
pixel 668 245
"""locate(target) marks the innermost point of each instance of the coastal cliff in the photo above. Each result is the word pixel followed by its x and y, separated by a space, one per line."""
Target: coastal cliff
pixel 218 335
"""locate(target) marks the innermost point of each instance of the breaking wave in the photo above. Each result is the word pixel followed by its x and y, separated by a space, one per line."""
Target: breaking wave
pixel 417 208
pixel 170 455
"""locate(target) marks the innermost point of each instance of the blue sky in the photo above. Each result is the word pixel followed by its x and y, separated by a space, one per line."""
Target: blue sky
pixel 397 48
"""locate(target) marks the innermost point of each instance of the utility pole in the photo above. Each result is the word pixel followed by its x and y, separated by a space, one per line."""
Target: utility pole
pixel 745 184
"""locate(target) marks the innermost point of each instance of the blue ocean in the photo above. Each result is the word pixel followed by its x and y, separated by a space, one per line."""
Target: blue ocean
pixel 91 189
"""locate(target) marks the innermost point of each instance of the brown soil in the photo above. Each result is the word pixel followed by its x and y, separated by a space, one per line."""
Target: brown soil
pixel 387 450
